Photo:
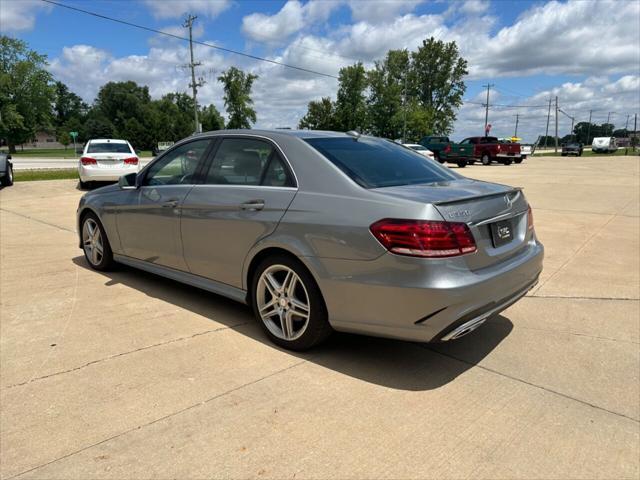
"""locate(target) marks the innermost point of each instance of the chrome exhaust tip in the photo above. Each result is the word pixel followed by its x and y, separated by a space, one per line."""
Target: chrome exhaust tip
pixel 464 329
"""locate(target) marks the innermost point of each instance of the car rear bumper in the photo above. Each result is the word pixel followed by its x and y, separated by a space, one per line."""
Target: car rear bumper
pixel 419 299
pixel 90 173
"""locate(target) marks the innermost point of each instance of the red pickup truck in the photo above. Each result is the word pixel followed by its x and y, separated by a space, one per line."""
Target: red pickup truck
pixel 489 149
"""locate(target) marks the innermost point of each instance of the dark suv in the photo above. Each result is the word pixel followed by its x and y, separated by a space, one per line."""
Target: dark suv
pixel 572 148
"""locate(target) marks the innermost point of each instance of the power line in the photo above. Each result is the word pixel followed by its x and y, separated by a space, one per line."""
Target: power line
pixel 210 45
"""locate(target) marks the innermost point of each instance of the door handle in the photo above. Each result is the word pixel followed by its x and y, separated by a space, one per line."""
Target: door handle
pixel 252 205
pixel 170 204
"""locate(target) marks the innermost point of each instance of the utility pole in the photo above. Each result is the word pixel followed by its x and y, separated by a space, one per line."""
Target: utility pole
pixel 626 126
pixel 515 134
pixel 188 23
pixel 486 112
pixel 589 128
pixel 556 148
pixel 635 131
pixel 609 116
pixel 546 132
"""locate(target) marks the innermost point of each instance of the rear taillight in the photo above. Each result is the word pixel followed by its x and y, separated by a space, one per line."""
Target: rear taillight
pixel 447 149
pixel 422 238
pixel 529 218
pixel 499 149
pixel 88 161
pixel 131 161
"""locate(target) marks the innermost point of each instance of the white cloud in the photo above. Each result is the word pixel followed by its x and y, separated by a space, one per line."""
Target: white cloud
pixel 20 15
pixel 292 17
pixel 179 8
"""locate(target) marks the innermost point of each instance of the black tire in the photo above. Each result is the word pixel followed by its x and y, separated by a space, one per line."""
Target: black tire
pixel 563 154
pixel 507 161
pixel 519 160
pixel 105 262
pixel 317 328
pixel 462 163
pixel 85 185
pixel 436 155
pixel 7 180
pixel 485 159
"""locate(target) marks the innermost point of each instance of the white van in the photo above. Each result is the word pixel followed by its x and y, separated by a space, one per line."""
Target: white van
pixel 604 145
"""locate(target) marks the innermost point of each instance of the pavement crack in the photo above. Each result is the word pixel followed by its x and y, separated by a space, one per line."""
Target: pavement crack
pixel 159 419
pixel 535 385
pixel 578 297
pixel 38 220
pixel 122 354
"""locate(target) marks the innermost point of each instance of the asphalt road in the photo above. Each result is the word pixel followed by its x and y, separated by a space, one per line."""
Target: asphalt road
pixel 126 375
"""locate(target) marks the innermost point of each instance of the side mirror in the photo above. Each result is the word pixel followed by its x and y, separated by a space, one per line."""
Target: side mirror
pixel 128 182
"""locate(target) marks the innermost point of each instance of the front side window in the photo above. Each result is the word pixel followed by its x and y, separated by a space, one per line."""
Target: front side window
pixel 108 147
pixel 244 161
pixel 374 163
pixel 177 167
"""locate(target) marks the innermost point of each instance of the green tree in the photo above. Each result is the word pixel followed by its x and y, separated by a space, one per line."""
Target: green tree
pixel 97 127
pixel 26 92
pixel 320 115
pixel 64 138
pixel 351 109
pixel 67 105
pixel 211 119
pixel 385 105
pixel 120 101
pixel 237 97
pixel 437 82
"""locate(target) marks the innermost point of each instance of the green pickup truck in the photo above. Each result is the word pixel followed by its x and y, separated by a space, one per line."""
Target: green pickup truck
pixel 445 150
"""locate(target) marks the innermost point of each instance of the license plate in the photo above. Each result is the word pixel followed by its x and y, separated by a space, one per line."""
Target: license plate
pixel 501 233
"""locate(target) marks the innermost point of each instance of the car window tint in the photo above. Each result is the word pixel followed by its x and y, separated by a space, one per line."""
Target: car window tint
pixel 373 163
pixel 108 147
pixel 178 166
pixel 239 161
pixel 276 174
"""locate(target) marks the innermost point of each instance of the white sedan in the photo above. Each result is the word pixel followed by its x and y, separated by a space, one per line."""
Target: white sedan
pixel 106 160
pixel 420 149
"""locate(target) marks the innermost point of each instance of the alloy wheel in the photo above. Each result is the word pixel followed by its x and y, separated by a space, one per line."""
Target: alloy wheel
pixel 92 241
pixel 283 302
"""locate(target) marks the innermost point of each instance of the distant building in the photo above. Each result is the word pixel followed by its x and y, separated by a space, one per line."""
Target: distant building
pixel 43 139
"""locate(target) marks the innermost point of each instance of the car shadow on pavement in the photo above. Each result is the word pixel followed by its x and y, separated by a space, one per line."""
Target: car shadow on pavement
pixel 390 363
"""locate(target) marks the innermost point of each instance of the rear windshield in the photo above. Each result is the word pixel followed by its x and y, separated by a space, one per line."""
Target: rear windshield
pixel 106 147
pixel 374 163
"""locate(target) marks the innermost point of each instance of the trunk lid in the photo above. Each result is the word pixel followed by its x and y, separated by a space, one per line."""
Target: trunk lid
pixel 484 207
pixel 110 160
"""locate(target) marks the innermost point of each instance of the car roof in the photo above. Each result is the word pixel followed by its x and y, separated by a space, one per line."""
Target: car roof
pixel 277 132
pixel 412 145
pixel 106 140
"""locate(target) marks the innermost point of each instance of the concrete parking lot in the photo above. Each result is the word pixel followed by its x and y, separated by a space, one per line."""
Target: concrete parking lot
pixel 126 375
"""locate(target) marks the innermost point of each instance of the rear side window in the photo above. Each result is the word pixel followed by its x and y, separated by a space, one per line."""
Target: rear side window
pixel 244 161
pixel 108 147
pixel 374 163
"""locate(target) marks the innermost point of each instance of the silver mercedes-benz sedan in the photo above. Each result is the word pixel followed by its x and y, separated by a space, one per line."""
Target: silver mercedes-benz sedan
pixel 320 231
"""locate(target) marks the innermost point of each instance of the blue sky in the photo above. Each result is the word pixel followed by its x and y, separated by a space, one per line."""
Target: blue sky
pixel 531 51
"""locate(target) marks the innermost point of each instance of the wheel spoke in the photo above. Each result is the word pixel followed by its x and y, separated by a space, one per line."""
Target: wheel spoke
pixel 299 308
pixel 99 248
pixel 271 284
pixel 286 322
pixel 269 309
pixel 94 255
pixel 288 280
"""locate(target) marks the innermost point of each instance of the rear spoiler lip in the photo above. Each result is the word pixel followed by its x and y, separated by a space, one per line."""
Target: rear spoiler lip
pixel 474 197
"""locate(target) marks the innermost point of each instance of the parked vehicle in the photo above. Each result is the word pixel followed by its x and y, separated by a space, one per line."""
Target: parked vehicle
pixel 106 160
pixel 420 149
pixel 6 170
pixel 490 149
pixel 572 148
pixel 161 147
pixel 320 231
pixel 444 150
pixel 526 149
pixel 604 145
